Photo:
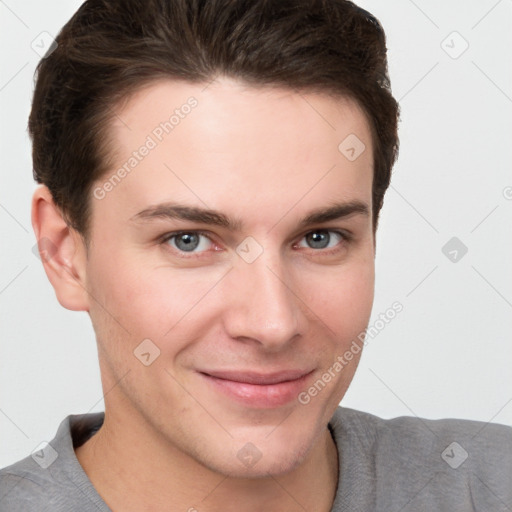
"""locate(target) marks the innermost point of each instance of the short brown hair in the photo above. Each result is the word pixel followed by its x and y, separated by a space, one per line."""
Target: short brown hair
pixel 111 48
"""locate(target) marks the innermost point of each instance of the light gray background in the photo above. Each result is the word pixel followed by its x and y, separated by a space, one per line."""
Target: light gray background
pixel 447 354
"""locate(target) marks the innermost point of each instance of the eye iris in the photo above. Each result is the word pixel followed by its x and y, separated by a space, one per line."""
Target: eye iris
pixel 187 241
pixel 318 239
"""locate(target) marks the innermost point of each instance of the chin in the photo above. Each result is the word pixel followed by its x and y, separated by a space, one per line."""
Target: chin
pixel 270 464
pixel 260 455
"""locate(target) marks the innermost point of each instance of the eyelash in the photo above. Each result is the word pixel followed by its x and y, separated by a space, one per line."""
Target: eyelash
pixel 345 236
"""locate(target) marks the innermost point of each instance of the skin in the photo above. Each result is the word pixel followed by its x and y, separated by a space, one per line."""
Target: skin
pixel 267 158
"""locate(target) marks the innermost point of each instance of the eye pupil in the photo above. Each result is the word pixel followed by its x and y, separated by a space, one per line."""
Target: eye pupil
pixel 318 239
pixel 187 241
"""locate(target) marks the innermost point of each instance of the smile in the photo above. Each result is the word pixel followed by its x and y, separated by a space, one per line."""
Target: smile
pixel 259 390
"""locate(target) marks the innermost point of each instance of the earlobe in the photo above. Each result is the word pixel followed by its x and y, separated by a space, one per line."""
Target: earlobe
pixel 61 250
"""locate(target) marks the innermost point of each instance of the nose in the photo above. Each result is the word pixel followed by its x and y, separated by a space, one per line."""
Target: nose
pixel 260 305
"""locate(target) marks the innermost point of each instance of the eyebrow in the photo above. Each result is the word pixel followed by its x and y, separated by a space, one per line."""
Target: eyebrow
pixel 173 211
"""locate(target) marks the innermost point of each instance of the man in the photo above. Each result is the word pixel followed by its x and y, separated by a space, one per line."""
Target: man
pixel 211 179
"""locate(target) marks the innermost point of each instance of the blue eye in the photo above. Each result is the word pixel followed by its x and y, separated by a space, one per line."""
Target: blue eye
pixel 322 239
pixel 197 243
pixel 189 241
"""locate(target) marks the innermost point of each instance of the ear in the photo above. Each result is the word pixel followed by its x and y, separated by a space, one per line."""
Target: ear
pixel 62 252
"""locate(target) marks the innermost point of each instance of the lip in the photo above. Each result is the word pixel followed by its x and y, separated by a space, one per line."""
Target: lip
pixel 258 389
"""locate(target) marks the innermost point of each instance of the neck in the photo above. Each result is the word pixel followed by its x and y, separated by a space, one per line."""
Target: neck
pixel 133 468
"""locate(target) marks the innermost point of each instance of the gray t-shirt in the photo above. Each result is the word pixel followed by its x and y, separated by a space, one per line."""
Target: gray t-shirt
pixel 405 464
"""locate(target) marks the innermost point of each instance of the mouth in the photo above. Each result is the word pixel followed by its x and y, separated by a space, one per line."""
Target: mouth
pixel 258 389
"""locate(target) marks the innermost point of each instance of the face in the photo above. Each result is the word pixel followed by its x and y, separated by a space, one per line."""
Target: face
pixel 231 265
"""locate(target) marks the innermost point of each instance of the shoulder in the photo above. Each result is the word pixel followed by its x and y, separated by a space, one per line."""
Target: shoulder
pixel 424 434
pixel 24 485
pixel 52 479
pixel 428 461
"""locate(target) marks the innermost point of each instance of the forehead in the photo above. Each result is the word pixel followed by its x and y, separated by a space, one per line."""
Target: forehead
pixel 225 143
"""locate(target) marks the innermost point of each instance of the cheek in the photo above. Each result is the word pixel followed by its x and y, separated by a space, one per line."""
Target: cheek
pixel 345 307
pixel 148 301
pixel 156 301
pixel 127 306
pixel 342 298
